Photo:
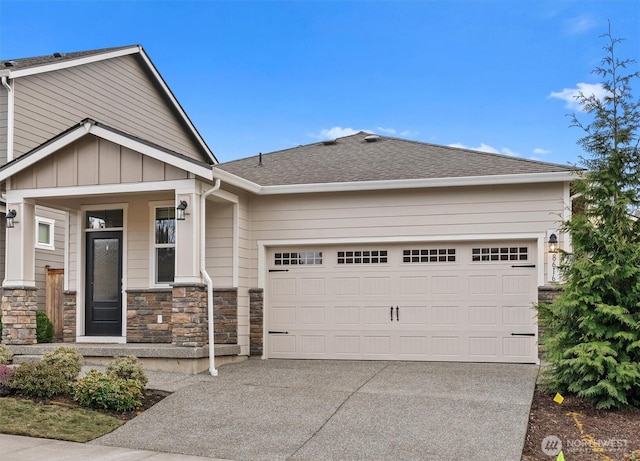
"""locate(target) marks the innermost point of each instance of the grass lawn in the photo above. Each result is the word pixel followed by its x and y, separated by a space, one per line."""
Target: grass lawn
pixel 59 421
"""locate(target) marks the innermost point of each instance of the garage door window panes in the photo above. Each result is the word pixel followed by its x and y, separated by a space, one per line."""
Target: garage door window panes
pixel 429 255
pixel 500 254
pixel 298 258
pixel 362 257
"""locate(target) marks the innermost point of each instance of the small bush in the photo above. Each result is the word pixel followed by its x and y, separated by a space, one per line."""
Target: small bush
pixel 129 367
pixel 44 328
pixel 5 354
pixel 101 390
pixel 6 373
pixel 67 359
pixel 39 380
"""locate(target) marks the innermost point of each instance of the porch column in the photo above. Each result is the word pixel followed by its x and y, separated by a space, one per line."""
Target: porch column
pixel 20 247
pixel 188 240
pixel 19 299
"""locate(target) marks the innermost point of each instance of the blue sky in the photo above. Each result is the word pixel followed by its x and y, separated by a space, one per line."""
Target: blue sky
pixel 258 76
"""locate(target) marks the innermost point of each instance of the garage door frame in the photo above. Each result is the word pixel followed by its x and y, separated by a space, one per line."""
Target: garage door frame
pixel 265 245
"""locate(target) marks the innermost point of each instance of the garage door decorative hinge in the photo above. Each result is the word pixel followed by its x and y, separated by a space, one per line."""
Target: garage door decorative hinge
pixel 278 332
pixel 523 334
pixel 278 270
pixel 524 265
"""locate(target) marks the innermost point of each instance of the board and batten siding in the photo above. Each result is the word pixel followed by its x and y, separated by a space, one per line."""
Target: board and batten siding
pixel 118 92
pixel 45 257
pixel 95 161
pixel 3 241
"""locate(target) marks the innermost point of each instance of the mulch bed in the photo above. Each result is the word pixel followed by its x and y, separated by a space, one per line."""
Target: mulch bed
pixel 151 397
pixel 617 433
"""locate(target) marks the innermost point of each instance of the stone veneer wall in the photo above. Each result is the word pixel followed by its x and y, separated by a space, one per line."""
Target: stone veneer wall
pixel 189 315
pixel 256 311
pixel 69 304
pixel 143 309
pixel 546 294
pixel 19 306
pixel 225 315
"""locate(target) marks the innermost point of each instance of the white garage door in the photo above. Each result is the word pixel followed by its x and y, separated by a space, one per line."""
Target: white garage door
pixel 439 302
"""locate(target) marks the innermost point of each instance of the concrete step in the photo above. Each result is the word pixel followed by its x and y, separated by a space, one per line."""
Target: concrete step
pixel 18 359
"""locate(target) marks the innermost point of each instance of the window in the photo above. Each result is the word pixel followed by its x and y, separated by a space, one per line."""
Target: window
pixel 104 219
pixel 500 254
pixel 300 258
pixel 45 233
pixel 362 257
pixel 164 244
pixel 429 255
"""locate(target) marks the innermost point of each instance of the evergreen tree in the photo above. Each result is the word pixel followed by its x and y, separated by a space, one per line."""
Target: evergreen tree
pixel 592 341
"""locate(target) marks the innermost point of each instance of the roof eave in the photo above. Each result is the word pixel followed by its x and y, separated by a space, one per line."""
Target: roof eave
pixel 465 181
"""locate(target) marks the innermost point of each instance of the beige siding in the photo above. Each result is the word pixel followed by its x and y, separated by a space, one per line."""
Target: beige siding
pixel 3 237
pixel 3 125
pixel 74 250
pixel 94 161
pixel 117 92
pixel 52 258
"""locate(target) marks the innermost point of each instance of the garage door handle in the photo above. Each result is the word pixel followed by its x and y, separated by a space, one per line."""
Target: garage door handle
pixel 392 313
pixel 523 334
pixel 278 332
pixel 397 314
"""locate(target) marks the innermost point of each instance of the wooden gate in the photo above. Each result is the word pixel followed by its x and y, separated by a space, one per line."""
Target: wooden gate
pixel 55 299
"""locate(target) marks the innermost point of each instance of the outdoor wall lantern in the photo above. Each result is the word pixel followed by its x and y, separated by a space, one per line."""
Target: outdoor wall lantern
pixel 553 249
pixel 11 214
pixel 180 210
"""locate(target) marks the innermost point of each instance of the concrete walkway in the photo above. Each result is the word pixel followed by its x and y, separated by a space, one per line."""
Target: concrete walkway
pixel 290 409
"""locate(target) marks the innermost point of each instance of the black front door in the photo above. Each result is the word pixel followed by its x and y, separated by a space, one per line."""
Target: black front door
pixel 103 301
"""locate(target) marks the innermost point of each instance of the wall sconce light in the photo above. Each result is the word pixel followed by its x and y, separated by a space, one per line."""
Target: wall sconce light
pixel 180 210
pixel 553 249
pixel 11 214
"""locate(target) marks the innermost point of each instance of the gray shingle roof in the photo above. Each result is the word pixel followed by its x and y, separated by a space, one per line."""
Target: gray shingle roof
pixel 24 63
pixel 352 159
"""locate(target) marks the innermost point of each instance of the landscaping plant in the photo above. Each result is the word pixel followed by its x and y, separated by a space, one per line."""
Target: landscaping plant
pixel 102 390
pixel 5 354
pixel 39 380
pixel 592 339
pixel 6 373
pixel 129 367
pixel 67 359
pixel 44 328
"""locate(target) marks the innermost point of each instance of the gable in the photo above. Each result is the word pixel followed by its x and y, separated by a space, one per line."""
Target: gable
pixel 124 92
pixel 92 161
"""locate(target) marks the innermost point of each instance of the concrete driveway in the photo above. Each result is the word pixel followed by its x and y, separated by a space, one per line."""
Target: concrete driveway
pixel 313 410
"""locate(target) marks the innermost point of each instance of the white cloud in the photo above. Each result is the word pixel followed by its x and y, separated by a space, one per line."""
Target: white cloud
pixel 580 24
pixel 541 151
pixel 386 130
pixel 569 95
pixel 409 133
pixel 334 132
pixel 488 149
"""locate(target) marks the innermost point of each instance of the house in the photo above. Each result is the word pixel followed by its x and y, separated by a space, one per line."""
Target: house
pixel 363 247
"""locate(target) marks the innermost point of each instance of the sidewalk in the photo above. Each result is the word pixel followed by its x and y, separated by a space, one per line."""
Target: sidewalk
pixel 18 448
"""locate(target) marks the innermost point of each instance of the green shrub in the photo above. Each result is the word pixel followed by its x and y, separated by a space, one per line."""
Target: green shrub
pixel 129 367
pixel 5 376
pixel 101 390
pixel 39 380
pixel 67 359
pixel 5 354
pixel 44 328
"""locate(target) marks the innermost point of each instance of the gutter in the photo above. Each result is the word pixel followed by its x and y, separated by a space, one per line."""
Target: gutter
pixel 10 117
pixel 207 278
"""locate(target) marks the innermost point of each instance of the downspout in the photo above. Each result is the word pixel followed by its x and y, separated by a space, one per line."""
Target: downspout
pixel 10 116
pixel 205 275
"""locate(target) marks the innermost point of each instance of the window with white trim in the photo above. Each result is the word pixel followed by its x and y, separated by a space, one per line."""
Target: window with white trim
pixel 45 233
pixel 298 258
pixel 362 257
pixel 429 255
pixel 500 254
pixel 164 244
